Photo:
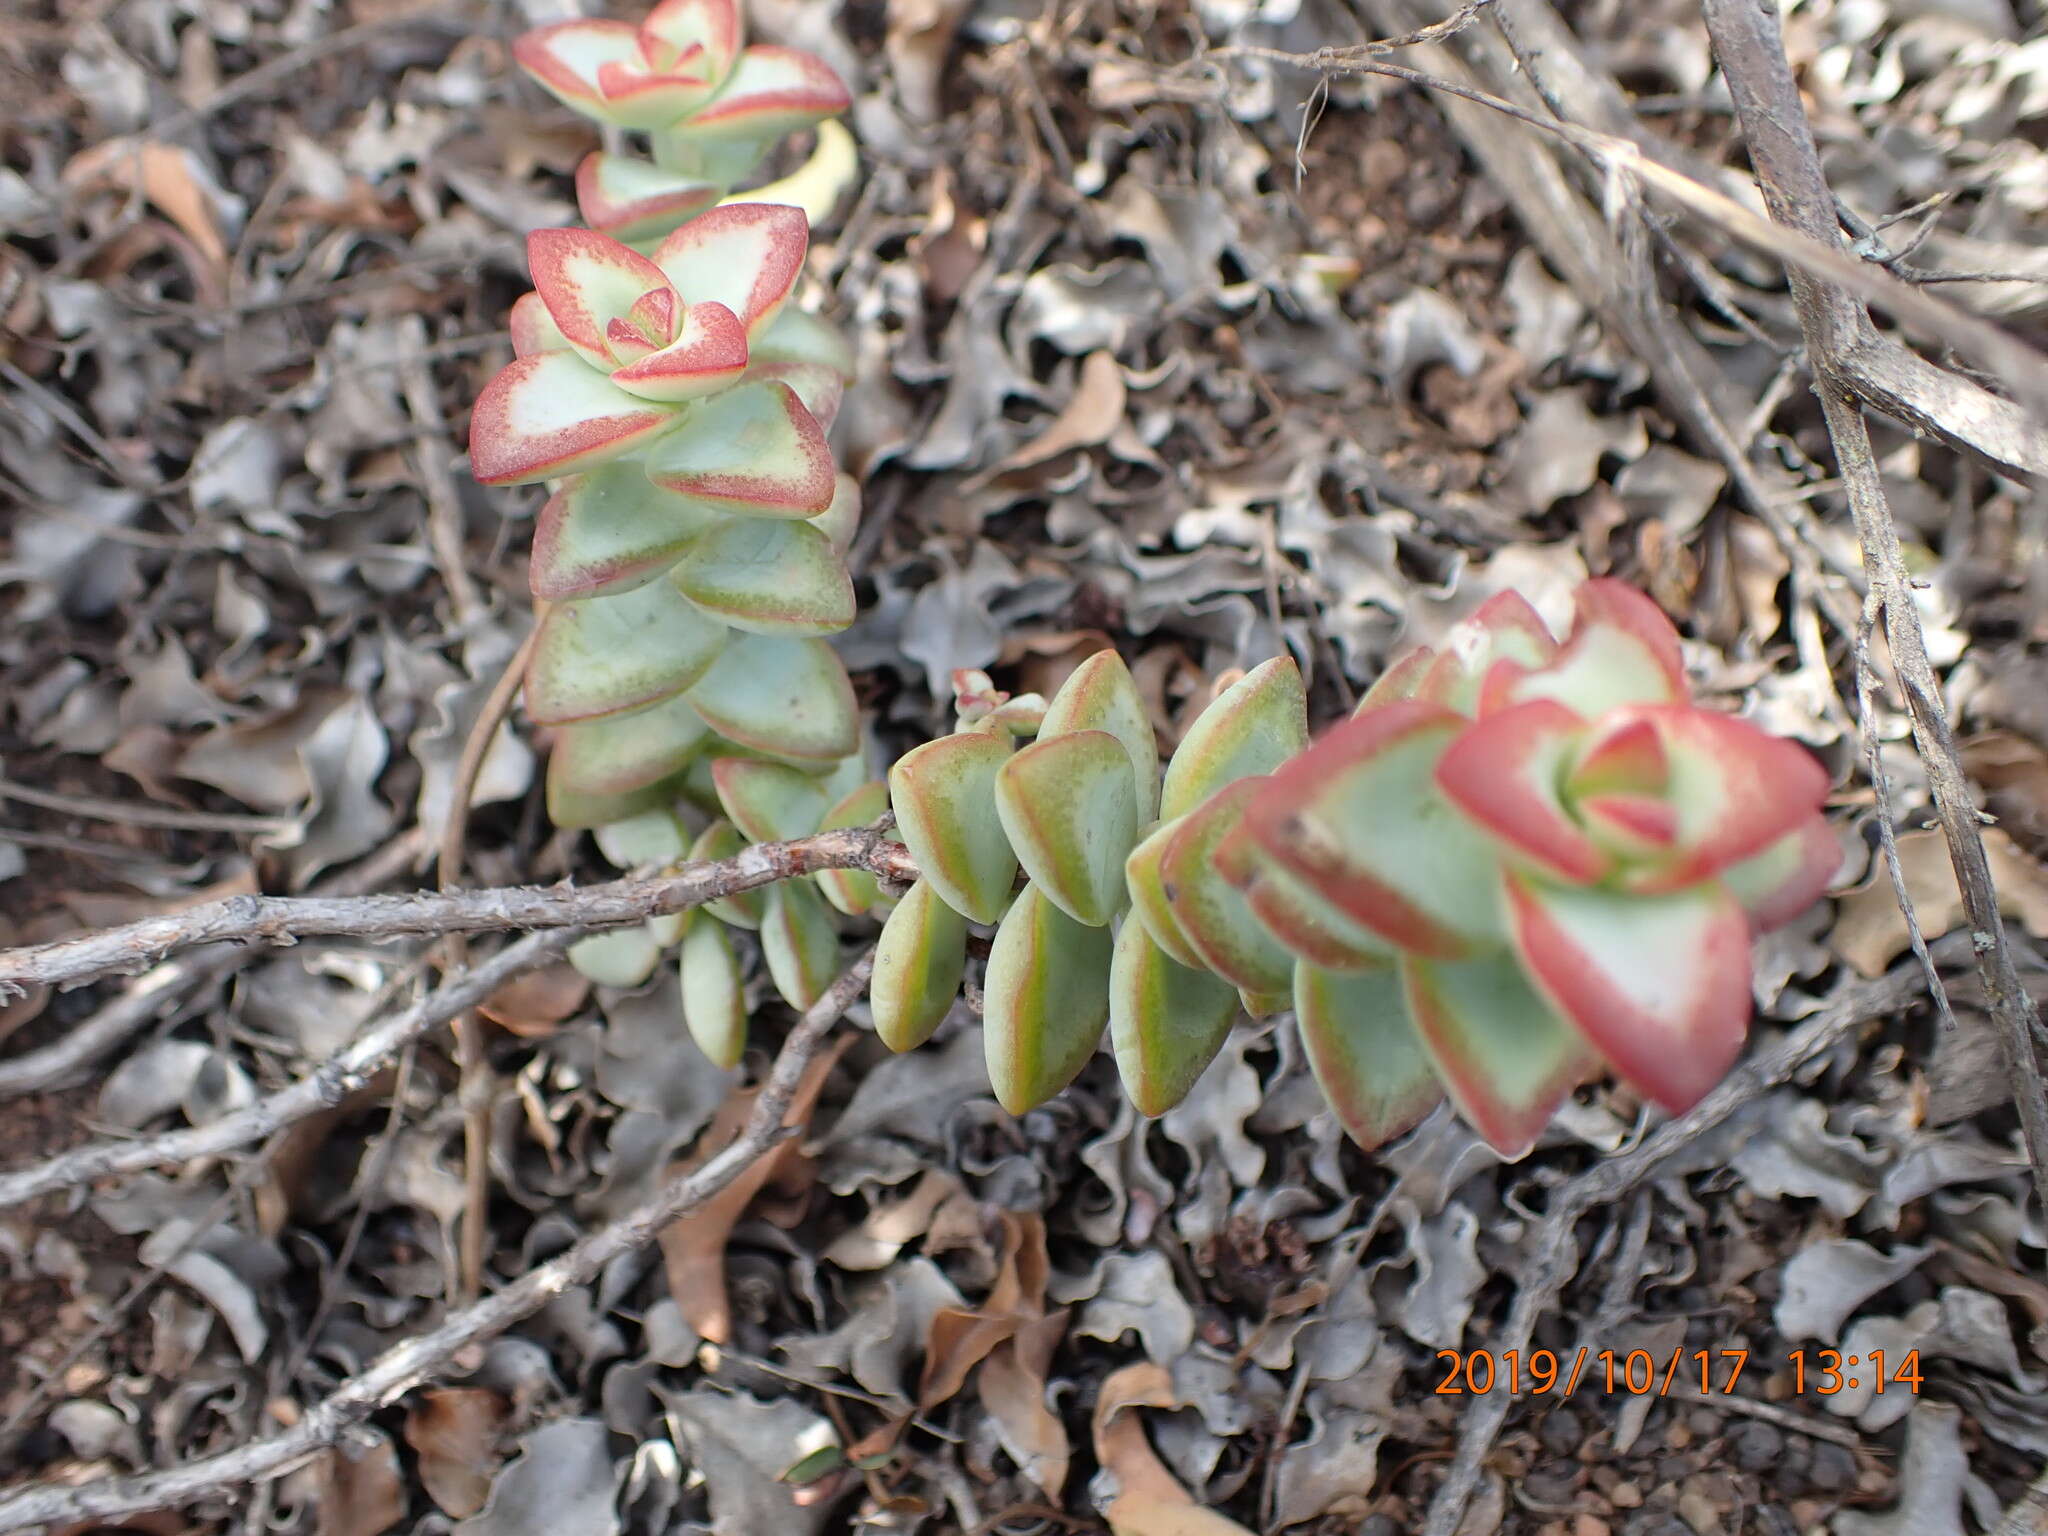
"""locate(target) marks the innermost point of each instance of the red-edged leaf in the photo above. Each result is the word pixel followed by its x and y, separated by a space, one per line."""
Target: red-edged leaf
pixel 565 58
pixel 621 753
pixel 769 802
pixel 630 199
pixel 1211 913
pixel 919 961
pixel 754 449
pixel 1504 628
pixel 746 256
pixel 1148 894
pixel 1636 826
pixel 944 797
pixel 772 576
pixel 1045 1000
pixel 1100 695
pixel 1358 818
pixel 799 943
pixel 1500 1049
pixel 1658 984
pixel 1364 1051
pixel 708 354
pixel 1402 678
pixel 636 97
pixel 788 698
pixel 574 810
pixel 1251 728
pixel 1622 650
pixel 798 336
pixel 1305 924
pixel 601 655
pixel 1736 790
pixel 1070 811
pixel 587 281
pixel 1778 884
pixel 675 29
pixel 1623 756
pixel 1166 1022
pixel 533 328
pixel 772 91
pixel 611 530
pixel 553 414
pixel 1504 773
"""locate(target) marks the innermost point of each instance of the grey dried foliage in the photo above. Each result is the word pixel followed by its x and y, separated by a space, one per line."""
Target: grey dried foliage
pixel 1215 360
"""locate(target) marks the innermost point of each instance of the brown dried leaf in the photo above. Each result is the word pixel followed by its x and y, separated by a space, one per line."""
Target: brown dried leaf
pixel 1012 1387
pixel 693 1247
pixel 1870 930
pixel 534 1005
pixel 455 1431
pixel 1149 1502
pixel 168 175
pixel 1095 411
pixel 363 1493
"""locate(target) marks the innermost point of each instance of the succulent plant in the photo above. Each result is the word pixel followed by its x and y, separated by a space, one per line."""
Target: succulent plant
pixel 1518 861
pixel 690 557
pixel 710 105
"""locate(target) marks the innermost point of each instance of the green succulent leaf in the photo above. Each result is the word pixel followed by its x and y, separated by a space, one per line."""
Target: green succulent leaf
pixel 841 521
pixel 768 577
pixel 1045 1000
pixel 721 840
pixel 1212 914
pixel 854 891
pixel 626 752
pixel 1099 695
pixel 752 449
pixel 611 530
pixel 574 809
pixel 617 957
pixel 653 837
pixel 1147 891
pixel 1166 1022
pixel 1254 726
pixel 799 942
pixel 1070 811
pixel 1263 1005
pixel 603 655
pixel 919 961
pixel 1359 819
pixel 785 697
pixel 1308 926
pixel 714 997
pixel 943 794
pixel 1364 1051
pixel 1506 1057
pixel 769 802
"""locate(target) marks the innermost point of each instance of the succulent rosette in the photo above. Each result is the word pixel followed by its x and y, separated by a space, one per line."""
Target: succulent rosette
pixel 614 348
pixel 1521 859
pixel 710 102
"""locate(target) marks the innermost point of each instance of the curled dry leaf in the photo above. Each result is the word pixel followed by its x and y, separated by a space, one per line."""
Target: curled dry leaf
pixel 455 1431
pixel 693 1248
pixel 1870 930
pixel 1149 1501
pixel 536 1004
pixel 362 1492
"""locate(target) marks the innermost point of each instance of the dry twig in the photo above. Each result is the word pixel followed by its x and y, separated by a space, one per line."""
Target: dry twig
pixel 399 1369
pixel 1781 147
pixel 286 919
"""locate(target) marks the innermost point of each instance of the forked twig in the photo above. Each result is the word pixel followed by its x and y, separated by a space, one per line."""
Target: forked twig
pixel 399 1369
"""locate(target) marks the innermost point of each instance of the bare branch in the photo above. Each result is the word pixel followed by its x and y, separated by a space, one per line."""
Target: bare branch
pixel 325 1086
pixel 285 919
pixel 1746 40
pixel 399 1369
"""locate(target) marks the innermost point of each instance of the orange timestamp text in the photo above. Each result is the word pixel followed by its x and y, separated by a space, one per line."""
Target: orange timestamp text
pixel 1638 1373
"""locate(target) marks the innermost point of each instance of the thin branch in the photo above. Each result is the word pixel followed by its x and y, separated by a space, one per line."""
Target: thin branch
pixel 350 1068
pixel 157 991
pixel 1554 1259
pixel 286 919
pixel 1746 41
pixel 404 1366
